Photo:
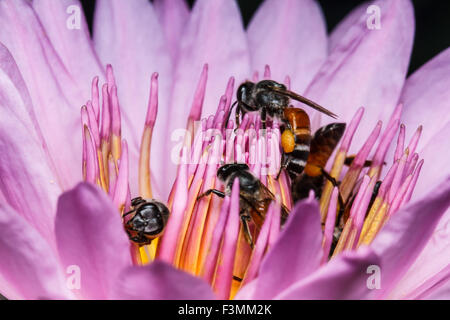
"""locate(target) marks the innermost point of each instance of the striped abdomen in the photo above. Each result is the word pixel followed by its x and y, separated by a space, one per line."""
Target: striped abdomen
pixel 296 141
pixel 322 146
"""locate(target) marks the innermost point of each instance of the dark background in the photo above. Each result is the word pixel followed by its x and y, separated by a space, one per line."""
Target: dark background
pixel 432 22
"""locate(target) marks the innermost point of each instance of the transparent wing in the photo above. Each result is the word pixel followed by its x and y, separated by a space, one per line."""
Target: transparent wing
pixel 304 100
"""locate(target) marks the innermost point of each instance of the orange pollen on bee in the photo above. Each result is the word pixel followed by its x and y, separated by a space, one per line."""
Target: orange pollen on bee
pixel 288 141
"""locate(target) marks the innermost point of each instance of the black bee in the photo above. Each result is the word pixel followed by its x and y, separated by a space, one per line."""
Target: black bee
pixel 147 222
pixel 255 198
pixel 269 98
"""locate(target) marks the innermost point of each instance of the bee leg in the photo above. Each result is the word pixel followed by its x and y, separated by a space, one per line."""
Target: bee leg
pixel 245 218
pixel 283 165
pixel 335 184
pixel 215 191
pixel 349 159
pixel 237 115
pixel 129 212
pixel 264 118
pixel 136 201
pixel 229 114
pixel 330 178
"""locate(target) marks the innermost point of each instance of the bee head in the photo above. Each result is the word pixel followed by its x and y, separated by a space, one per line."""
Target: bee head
pixel 266 96
pixel 243 93
pixel 148 221
pixel 269 84
pixel 226 170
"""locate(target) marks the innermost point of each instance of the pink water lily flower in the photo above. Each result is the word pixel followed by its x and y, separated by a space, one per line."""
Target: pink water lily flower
pixel 145 79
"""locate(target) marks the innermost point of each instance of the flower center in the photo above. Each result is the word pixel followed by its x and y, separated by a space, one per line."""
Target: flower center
pixel 209 227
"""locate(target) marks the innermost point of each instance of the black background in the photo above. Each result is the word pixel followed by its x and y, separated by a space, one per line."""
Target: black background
pixel 432 22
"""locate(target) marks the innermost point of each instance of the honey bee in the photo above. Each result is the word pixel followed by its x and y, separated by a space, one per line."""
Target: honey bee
pixel 269 98
pixel 312 176
pixel 295 141
pixel 255 198
pixel 147 222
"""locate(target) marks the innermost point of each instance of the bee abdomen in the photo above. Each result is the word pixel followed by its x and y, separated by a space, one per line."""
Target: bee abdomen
pixel 295 167
pixel 298 158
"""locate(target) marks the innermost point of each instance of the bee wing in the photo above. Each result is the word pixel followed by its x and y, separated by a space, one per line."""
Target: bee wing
pixel 327 136
pixel 268 196
pixel 304 100
pixel 322 146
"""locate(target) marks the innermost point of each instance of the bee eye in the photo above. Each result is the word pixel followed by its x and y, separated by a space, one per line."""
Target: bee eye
pixel 244 90
pixel 280 85
pixel 151 219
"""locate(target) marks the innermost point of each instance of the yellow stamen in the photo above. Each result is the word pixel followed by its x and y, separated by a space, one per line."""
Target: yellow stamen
pixel 135 254
pixel 335 172
pixel 189 258
pixel 375 171
pixel 211 219
pixel 101 166
pixel 105 154
pixel 145 189
pixel 351 239
pixel 349 182
pixel 116 149
pixel 186 220
pixel 370 217
pixel 376 224
pixel 343 238
pixel 241 262
pixel 145 255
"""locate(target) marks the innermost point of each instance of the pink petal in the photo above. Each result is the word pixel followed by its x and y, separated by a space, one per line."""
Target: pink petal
pixel 345 24
pixel 173 16
pixel 160 281
pixel 51 88
pixel 266 238
pixel 73 45
pixel 29 268
pixel 127 35
pixel 210 264
pixel 433 286
pixel 290 36
pixel 406 233
pixel 247 292
pixel 426 98
pixel 440 291
pixel 355 73
pixel 431 261
pixel 224 272
pixel 344 277
pixel 426 103
pixel 90 235
pixel 168 245
pixel 299 243
pixel 121 188
pixel 214 35
pixel 27 183
pixel 435 169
